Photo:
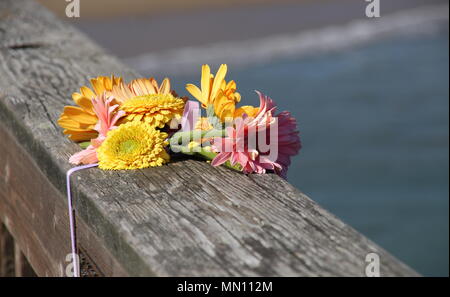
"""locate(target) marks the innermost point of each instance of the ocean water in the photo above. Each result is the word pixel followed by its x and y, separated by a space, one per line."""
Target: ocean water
pixel 374 122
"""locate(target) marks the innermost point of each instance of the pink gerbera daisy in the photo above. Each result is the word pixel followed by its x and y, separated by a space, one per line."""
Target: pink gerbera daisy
pixel 243 143
pixel 107 119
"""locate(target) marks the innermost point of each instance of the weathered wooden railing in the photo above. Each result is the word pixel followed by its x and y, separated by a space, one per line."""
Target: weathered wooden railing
pixel 183 219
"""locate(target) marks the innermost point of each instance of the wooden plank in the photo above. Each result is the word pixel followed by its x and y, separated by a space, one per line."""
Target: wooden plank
pixel 21 266
pixel 183 219
pixel 36 214
pixel 6 252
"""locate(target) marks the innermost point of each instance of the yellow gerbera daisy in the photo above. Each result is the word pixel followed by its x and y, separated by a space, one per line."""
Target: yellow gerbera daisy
pixel 216 91
pixel 79 121
pixel 133 145
pixel 156 109
pixel 143 100
pixel 140 87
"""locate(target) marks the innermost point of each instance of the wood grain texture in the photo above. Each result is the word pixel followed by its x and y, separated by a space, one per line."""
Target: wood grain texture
pixel 21 266
pixel 35 213
pixel 6 252
pixel 183 219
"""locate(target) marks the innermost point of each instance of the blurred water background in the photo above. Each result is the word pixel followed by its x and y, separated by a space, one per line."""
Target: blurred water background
pixel 371 99
pixel 374 125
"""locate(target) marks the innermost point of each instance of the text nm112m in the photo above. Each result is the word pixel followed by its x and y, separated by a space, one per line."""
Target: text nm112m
pixel 246 287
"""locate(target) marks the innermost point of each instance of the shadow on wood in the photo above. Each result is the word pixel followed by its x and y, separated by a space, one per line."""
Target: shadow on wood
pixel 12 261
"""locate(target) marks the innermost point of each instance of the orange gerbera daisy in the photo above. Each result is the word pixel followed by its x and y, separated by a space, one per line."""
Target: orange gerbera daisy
pixel 144 100
pixel 79 121
pixel 140 87
pixel 217 92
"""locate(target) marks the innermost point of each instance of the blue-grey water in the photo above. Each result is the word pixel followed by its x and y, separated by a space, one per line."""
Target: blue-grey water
pixel 374 122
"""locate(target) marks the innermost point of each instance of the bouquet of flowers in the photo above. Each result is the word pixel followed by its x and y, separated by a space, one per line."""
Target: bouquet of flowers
pixel 140 124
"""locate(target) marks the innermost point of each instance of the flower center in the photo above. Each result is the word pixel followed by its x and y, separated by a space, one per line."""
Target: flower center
pixel 128 146
pixel 147 100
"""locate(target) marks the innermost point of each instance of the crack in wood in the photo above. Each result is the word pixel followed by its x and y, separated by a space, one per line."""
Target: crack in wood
pixel 24 46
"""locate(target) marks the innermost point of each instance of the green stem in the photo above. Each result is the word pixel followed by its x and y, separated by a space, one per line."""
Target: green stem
pixel 182 149
pixel 208 155
pixel 196 135
pixel 84 144
pixel 175 141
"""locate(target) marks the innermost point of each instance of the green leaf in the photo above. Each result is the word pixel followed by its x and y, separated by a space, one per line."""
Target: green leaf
pixel 85 144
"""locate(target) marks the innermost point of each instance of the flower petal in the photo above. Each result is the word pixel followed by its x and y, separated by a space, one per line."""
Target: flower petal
pixel 205 83
pixel 220 159
pixel 218 79
pixel 196 92
pixel 79 115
